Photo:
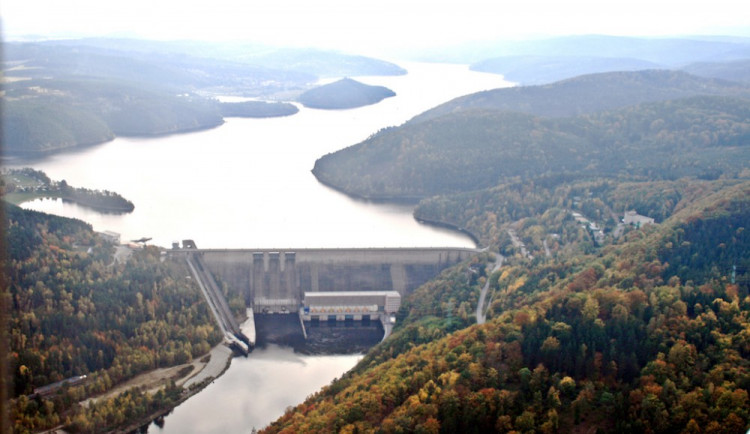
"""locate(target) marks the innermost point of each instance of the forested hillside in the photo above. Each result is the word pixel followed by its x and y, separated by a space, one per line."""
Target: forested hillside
pixel 469 150
pixel 526 70
pixel 737 70
pixel 593 325
pixel 46 115
pixel 590 93
pixel 647 334
pixel 76 311
pixel 344 94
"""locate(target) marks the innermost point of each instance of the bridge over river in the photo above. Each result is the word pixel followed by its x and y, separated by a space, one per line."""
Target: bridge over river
pixel 276 280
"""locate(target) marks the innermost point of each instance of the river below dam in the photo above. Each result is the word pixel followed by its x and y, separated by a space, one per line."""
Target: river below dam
pixel 247 184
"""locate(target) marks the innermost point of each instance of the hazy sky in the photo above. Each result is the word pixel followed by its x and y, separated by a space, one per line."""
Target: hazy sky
pixel 365 25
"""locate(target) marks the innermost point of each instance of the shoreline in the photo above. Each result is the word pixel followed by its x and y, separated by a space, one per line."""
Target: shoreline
pixel 450 226
pixel 28 157
pixel 100 209
pixel 401 200
pixel 221 356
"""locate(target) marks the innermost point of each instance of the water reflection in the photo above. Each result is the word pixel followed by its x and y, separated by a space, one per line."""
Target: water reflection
pixel 256 391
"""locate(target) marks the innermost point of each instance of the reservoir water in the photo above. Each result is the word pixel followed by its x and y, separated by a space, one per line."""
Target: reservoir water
pixel 247 184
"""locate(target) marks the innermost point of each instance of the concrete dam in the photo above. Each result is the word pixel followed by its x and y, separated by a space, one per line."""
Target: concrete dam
pixel 274 281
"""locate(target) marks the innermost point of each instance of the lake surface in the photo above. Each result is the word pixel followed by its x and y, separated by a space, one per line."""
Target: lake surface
pixel 255 391
pixel 247 184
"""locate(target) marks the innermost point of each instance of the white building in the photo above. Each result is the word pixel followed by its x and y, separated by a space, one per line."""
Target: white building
pixel 635 219
pixel 350 305
pixel 110 237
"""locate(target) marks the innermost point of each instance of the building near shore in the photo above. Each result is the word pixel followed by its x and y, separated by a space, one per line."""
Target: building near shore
pixel 350 305
pixel 110 237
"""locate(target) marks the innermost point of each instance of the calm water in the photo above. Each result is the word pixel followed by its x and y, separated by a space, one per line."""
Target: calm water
pixel 248 184
pixel 255 391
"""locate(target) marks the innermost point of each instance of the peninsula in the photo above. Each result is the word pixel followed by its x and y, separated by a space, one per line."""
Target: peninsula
pixel 23 185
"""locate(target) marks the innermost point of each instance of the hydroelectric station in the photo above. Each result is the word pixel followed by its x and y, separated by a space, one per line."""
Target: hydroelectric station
pixel 316 285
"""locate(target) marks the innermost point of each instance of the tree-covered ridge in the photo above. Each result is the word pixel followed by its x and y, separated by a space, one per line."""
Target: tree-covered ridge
pixel 45 115
pixel 344 94
pixel 735 70
pixel 590 93
pixel 528 70
pixel 76 311
pixel 39 126
pixel 613 340
pixel 543 62
pixel 170 66
pixel 701 136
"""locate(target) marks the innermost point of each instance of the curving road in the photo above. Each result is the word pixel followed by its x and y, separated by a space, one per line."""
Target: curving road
pixel 481 311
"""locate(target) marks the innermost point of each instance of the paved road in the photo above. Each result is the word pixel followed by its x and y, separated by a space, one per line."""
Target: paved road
pixel 519 244
pixel 547 253
pixel 481 311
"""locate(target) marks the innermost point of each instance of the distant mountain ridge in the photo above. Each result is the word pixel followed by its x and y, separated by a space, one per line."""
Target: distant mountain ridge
pixel 547 69
pixel 590 93
pixel 673 52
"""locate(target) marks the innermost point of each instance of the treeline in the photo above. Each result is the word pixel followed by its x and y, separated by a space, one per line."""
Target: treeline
pixel 107 201
pixel 615 340
pixel 74 312
pixel 703 137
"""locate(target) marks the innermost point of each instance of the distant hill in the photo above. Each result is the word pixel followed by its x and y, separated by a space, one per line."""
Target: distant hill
pixel 547 69
pixel 590 93
pixel 737 70
pixel 704 136
pixel 46 115
pixel 232 60
pixel 344 94
pixel 548 60
pixel 148 63
pixel 324 63
pixel 673 52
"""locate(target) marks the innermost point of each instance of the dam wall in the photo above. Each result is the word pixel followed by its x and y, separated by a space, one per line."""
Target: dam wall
pixel 275 279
